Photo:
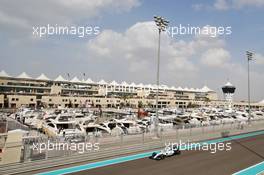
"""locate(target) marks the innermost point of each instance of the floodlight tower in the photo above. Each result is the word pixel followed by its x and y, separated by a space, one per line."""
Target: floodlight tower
pixel 161 23
pixel 249 58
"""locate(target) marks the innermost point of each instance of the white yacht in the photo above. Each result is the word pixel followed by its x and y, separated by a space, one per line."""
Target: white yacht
pixel 258 115
pixel 62 125
pixel 89 127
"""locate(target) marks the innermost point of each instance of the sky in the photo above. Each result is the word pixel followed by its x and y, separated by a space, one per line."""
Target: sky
pixel 125 48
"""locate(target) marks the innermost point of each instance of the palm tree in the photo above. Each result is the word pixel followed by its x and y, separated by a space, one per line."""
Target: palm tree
pixel 140 104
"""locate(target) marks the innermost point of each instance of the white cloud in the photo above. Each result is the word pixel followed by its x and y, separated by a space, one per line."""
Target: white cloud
pixel 230 4
pixel 11 20
pixel 33 12
pixel 244 3
pixel 96 5
pixel 215 57
pixel 259 58
pixel 198 6
pixel 138 45
pixel 221 5
pixel 17 18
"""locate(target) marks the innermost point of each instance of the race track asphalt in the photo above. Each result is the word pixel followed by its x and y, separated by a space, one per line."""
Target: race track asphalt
pixel 244 153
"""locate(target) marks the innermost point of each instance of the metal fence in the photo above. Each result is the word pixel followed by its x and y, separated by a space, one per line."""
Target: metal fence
pixel 176 133
pixel 112 146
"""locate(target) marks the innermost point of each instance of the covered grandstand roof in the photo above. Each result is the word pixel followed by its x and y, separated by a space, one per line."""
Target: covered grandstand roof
pixel 60 78
pixel 262 102
pixel 102 82
pixel 75 80
pixel 114 83
pixel 3 74
pixel 206 89
pixel 42 77
pixel 24 75
pixel 89 81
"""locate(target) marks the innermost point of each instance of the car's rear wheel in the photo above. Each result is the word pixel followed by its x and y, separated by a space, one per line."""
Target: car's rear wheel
pixel 177 152
pixel 160 157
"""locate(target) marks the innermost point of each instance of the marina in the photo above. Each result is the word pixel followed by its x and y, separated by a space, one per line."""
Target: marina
pixel 68 122
pixel 132 87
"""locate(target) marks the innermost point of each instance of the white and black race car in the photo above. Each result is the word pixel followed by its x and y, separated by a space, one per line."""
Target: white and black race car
pixel 167 152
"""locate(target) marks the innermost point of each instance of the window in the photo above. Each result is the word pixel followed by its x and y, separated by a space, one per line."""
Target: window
pixel 51 125
pixel 31 99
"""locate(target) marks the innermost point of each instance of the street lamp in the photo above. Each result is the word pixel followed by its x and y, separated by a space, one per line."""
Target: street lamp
pixel 161 24
pixel 249 58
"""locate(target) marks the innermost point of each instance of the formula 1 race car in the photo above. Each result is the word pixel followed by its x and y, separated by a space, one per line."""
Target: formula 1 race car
pixel 167 152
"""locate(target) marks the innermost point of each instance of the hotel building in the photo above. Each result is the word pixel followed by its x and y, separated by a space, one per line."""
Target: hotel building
pixel 24 90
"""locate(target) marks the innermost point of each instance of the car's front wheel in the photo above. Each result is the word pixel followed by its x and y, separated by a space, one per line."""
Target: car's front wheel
pixel 162 157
